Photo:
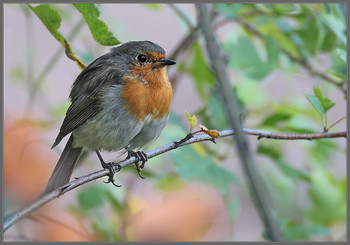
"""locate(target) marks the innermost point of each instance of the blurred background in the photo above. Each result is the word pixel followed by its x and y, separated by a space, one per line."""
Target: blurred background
pixel 276 54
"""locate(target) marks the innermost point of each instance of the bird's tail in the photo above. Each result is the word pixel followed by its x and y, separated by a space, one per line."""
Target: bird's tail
pixel 64 167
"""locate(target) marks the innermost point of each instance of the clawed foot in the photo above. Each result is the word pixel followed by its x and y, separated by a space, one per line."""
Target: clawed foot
pixel 111 169
pixel 112 172
pixel 141 157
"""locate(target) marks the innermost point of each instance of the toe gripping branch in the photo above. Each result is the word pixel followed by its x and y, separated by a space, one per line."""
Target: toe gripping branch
pixel 110 166
pixel 141 157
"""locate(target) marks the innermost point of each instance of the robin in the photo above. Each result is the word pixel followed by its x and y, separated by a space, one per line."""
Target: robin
pixel 121 101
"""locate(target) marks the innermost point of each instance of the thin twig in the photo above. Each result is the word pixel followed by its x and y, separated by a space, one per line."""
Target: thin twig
pixel 255 183
pixel 15 217
pixel 192 36
pixel 341 119
pixel 46 70
pixel 186 42
pixel 181 14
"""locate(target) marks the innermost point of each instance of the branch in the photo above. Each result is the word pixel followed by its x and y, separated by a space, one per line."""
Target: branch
pixel 45 71
pixel 181 14
pixel 14 218
pixel 255 183
pixel 192 36
pixel 186 42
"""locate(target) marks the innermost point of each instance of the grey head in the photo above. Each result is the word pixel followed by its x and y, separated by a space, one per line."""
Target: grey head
pixel 135 53
pixel 134 47
pixel 119 61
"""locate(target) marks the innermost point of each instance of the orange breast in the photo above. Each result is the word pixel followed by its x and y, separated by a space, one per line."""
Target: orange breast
pixel 150 95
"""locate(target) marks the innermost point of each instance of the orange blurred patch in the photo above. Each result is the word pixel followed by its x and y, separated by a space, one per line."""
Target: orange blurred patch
pixel 28 163
pixel 184 216
pixel 59 226
pixel 26 160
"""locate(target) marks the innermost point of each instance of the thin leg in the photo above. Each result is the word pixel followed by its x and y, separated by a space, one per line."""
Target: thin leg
pixel 110 166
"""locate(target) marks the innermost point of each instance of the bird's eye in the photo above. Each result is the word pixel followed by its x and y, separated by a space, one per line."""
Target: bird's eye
pixel 142 58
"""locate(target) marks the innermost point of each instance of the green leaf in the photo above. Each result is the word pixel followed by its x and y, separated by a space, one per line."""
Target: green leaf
pixel 336 25
pixel 52 21
pixel 228 10
pixel 98 28
pixel 338 64
pixel 275 154
pixel 272 50
pixel 202 74
pixel 91 197
pixel 296 231
pixel 326 103
pixel 339 76
pixel 269 151
pixel 285 9
pixel 342 54
pixel 244 57
pixel 213 115
pixel 193 164
pixel 275 118
pixel 291 172
pixel 50 18
pixel 282 36
pixel 328 198
pixel 193 167
pixel 297 129
pixel 322 151
pixel 329 42
pixel 244 90
pixel 114 202
pixel 310 35
pixel 316 103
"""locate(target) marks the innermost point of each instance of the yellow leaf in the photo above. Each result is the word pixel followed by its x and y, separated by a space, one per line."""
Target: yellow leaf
pixel 192 120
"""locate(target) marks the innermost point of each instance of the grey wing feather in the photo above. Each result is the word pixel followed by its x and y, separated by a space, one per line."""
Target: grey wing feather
pixel 79 111
pixel 85 94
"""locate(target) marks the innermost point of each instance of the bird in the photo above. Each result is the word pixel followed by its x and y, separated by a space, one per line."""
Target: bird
pixel 120 101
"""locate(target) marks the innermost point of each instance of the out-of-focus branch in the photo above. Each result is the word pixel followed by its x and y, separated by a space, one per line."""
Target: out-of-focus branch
pixel 45 71
pixel 192 36
pixel 14 218
pixel 181 14
pixel 256 186
pixel 186 42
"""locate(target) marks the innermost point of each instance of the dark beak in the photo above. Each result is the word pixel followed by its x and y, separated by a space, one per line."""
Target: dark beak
pixel 166 62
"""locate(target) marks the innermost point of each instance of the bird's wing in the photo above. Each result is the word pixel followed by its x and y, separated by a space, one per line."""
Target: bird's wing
pixel 86 94
pixel 83 108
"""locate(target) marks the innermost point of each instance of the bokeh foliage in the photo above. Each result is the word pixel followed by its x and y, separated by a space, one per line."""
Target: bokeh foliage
pixel 269 38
